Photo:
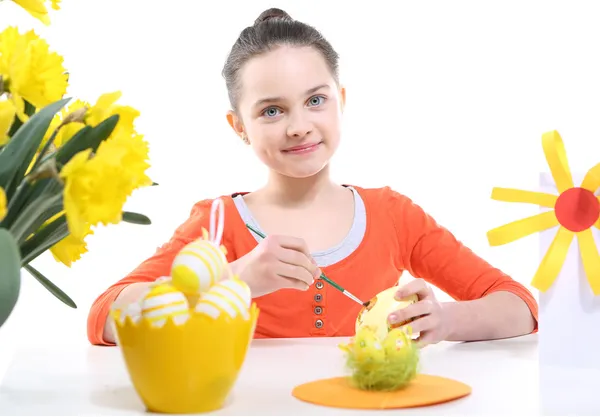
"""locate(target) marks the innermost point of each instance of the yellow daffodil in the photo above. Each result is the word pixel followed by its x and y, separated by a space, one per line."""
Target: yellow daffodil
pixel 3 208
pixel 105 107
pixel 97 188
pixel 30 71
pixel 37 8
pixel 7 116
pixel 130 154
pixel 70 249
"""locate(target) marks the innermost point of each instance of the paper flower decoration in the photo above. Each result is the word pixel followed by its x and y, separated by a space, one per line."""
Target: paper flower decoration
pixel 576 210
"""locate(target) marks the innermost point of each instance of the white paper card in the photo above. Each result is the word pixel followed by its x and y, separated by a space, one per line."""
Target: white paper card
pixel 569 330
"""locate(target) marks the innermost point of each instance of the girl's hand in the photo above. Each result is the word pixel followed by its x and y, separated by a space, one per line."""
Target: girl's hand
pixel 277 262
pixel 428 314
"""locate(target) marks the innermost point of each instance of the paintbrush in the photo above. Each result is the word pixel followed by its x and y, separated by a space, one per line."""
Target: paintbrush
pixel 323 277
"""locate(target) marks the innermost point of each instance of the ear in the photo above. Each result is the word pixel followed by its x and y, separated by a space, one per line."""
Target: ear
pixel 235 123
pixel 342 98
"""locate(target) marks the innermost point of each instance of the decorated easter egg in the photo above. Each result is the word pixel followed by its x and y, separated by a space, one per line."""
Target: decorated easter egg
pixel 230 296
pixel 161 280
pixel 131 310
pixel 375 314
pixel 198 266
pixel 164 301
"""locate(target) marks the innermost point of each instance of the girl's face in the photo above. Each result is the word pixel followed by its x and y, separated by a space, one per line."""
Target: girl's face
pixel 290 110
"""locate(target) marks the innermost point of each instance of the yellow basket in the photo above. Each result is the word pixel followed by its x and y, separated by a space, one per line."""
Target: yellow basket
pixel 189 368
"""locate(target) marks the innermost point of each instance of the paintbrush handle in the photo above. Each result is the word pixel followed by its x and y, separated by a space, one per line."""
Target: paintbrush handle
pixel 332 283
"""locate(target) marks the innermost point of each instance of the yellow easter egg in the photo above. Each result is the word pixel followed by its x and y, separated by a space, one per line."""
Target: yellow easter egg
pixel 164 301
pixel 198 266
pixel 375 314
pixel 230 296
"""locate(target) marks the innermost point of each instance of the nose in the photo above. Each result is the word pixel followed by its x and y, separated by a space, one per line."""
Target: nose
pixel 299 126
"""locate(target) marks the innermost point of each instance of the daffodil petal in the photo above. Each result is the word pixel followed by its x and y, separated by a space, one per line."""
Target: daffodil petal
pixel 7 117
pixel 590 259
pixel 37 6
pixel 553 260
pixel 556 156
pixel 521 228
pixel 3 208
pixel 591 181
pixel 511 195
pixel 108 99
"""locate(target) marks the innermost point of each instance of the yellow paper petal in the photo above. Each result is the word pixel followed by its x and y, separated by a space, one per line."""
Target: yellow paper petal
pixel 553 260
pixel 556 156
pixel 590 259
pixel 511 195
pixel 521 228
pixel 591 181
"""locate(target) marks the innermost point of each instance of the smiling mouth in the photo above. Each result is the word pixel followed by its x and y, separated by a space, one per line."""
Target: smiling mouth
pixel 301 149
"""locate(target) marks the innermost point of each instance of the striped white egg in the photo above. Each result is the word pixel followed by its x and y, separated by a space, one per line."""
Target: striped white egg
pixel 161 280
pixel 164 301
pixel 133 311
pixel 198 266
pixel 230 296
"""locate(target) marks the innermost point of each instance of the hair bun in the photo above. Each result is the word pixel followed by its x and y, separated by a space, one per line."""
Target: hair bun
pixel 272 13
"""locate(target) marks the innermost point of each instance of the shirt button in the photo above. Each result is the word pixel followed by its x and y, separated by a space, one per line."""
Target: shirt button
pixel 319 324
pixel 319 285
pixel 318 298
pixel 318 310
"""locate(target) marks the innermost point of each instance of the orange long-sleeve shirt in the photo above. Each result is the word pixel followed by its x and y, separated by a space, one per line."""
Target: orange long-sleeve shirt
pixel 399 237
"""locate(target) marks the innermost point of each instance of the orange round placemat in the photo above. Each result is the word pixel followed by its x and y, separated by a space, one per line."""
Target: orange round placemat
pixel 424 390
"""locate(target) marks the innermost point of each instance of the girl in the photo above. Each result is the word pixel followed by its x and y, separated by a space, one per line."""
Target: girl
pixel 287 103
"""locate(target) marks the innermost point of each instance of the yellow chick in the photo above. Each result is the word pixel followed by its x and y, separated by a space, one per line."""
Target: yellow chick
pixel 367 348
pixel 396 344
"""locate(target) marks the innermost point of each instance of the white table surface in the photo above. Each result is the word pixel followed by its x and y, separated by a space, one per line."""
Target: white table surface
pixel 86 380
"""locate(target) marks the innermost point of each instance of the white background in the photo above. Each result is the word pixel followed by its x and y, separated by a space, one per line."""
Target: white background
pixel 445 100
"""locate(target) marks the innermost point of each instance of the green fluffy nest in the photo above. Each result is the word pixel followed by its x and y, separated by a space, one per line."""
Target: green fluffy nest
pixel 392 374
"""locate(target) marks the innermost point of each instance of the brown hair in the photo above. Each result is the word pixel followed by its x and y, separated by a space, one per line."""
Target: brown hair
pixel 272 28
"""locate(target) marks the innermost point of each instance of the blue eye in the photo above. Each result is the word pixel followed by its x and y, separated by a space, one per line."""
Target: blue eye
pixel 316 100
pixel 270 112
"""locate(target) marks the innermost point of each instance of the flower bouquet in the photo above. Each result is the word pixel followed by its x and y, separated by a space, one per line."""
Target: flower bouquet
pixel 65 166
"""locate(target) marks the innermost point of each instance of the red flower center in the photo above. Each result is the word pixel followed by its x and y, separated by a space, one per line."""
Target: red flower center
pixel 577 209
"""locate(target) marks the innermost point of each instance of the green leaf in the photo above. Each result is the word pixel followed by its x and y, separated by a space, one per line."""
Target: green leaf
pixel 34 213
pixel 43 240
pixel 10 274
pixel 76 137
pixel 27 194
pixel 136 218
pixel 154 184
pixel 57 292
pixel 17 155
pixel 91 139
